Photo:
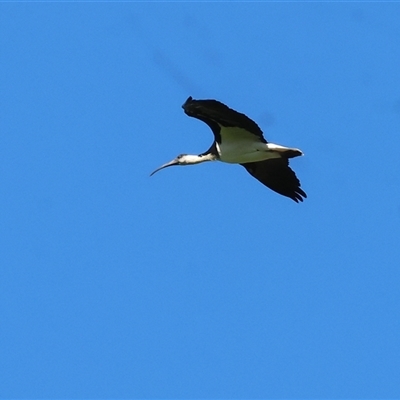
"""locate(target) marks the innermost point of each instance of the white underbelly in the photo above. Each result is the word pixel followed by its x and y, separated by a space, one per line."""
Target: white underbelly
pixel 244 152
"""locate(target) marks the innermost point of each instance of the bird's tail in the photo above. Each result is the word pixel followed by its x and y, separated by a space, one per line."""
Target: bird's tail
pixel 287 152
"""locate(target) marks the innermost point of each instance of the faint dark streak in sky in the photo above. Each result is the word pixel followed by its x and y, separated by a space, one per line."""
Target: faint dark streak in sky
pixel 174 72
pixel 162 60
pixel 267 119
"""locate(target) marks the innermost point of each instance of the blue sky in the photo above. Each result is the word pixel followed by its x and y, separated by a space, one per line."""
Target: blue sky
pixel 198 282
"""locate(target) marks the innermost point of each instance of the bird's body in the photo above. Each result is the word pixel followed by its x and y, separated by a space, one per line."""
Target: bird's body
pixel 239 140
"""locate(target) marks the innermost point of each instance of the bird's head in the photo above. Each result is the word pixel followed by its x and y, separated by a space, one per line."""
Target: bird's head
pixel 181 159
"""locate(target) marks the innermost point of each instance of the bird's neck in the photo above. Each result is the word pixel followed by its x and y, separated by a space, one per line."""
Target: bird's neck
pixel 197 159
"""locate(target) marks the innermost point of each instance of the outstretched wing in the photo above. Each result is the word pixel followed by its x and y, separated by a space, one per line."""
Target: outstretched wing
pixel 216 115
pixel 278 176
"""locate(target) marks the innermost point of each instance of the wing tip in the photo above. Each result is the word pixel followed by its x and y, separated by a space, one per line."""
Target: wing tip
pixel 299 195
pixel 187 102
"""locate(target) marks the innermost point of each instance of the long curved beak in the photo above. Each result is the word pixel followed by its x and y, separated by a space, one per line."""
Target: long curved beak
pixel 168 164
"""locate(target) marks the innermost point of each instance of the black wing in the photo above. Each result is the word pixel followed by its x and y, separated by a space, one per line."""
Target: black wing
pixel 278 176
pixel 215 114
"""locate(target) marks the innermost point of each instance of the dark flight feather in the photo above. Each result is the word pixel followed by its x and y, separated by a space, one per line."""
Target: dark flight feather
pixel 216 114
pixel 278 176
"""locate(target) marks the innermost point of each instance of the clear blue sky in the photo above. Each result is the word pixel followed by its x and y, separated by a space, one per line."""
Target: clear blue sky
pixel 198 282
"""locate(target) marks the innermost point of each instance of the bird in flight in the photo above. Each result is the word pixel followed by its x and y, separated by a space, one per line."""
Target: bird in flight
pixel 239 140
